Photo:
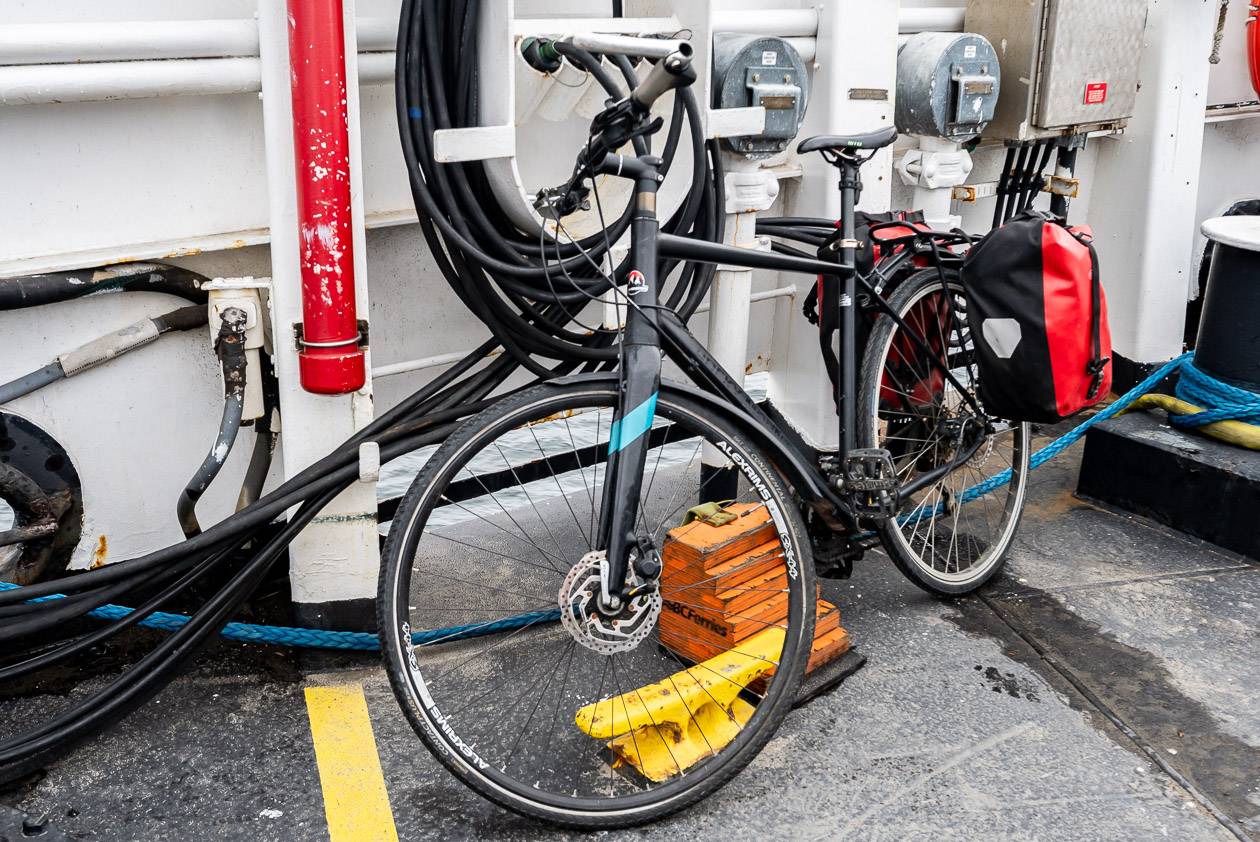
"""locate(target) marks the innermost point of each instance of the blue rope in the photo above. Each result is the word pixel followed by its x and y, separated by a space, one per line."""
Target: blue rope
pixel 1225 402
pixel 316 638
pixel 1060 444
pixel 1222 401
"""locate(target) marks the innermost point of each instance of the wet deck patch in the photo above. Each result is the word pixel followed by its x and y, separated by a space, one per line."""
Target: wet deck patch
pixel 1134 683
pixel 1007 682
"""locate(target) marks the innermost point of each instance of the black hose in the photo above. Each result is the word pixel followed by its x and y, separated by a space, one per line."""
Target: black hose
pixel 87 641
pixel 1010 199
pixel 192 317
pixel 148 675
pixel 28 383
pixel 230 346
pixel 151 672
pixel 1003 188
pixel 1033 183
pixel 526 294
pixel 52 287
pixel 229 426
pixel 259 466
pixel 1020 185
pixel 185 318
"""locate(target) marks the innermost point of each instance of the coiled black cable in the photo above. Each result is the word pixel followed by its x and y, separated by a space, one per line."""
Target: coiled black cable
pixel 526 292
pixel 501 273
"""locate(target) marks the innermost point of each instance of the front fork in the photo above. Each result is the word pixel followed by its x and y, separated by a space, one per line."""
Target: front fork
pixel 630 437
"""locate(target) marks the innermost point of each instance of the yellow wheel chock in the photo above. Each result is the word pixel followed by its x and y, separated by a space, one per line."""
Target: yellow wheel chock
pixel 666 728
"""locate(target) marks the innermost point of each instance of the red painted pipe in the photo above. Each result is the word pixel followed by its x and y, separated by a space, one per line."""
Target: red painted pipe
pixel 331 361
pixel 1253 45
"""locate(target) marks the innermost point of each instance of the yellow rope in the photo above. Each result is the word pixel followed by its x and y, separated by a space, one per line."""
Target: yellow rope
pixel 1236 433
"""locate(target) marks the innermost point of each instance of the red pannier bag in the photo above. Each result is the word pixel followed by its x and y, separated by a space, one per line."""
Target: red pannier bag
pixel 820 304
pixel 1038 318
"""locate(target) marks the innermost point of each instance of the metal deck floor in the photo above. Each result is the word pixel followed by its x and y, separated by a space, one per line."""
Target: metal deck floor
pixel 956 729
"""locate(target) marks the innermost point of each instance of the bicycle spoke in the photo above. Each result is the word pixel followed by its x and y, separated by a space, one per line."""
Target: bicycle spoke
pixel 559 488
pixel 524 487
pixel 524 698
pixel 943 528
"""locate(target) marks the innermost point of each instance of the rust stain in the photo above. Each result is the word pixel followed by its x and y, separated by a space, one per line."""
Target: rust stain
pixel 237 244
pixel 98 554
pixel 181 253
pixel 555 416
pixel 1052 507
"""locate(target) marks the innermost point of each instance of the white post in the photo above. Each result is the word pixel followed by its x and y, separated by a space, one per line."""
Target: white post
pixel 1144 188
pixel 855 80
pixel 333 563
pixel 749 189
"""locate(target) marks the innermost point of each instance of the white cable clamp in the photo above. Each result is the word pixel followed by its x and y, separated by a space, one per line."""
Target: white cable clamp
pixel 369 461
pixel 338 343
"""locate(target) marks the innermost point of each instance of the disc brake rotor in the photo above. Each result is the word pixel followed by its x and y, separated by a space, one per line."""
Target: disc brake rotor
pixel 606 634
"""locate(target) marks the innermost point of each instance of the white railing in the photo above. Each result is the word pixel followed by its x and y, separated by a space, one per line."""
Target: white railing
pixel 442 360
pixel 83 62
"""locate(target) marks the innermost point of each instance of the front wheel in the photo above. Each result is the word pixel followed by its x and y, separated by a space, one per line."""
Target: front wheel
pixel 513 675
pixel 951 537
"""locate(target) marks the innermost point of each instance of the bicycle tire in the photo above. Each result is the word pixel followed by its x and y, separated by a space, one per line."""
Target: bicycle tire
pixel 417 698
pixel 881 410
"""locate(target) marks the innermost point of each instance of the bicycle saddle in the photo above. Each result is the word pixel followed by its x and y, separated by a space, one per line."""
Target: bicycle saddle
pixel 835 143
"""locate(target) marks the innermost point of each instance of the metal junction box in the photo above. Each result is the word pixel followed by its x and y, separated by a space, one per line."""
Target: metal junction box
pixel 1068 66
pixel 752 71
pixel 947 85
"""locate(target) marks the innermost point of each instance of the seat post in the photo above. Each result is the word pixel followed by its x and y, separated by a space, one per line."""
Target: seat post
pixel 846 383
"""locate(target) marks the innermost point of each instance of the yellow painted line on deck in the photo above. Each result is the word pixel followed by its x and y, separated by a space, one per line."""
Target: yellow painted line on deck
pixel 356 802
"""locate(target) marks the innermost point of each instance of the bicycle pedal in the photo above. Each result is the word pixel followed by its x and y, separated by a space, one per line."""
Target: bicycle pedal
pixel 870 483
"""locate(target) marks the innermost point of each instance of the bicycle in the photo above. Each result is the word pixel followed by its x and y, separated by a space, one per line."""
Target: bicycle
pixel 552 692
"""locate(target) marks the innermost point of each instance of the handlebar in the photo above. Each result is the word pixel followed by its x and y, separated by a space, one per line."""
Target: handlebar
pixel 672 71
pixel 626 45
pixel 621 121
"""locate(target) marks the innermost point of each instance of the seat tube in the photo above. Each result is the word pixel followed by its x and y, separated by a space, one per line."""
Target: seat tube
pixel 640 381
pixel 846 383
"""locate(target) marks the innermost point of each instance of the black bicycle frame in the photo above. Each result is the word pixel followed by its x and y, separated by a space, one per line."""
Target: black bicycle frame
pixel 649 330
pixel 640 378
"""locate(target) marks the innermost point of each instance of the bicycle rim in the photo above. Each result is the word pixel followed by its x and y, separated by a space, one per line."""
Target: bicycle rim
pixel 951 536
pixel 565 720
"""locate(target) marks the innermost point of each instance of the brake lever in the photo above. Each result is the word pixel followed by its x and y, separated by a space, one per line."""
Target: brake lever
pixel 558 202
pixel 612 129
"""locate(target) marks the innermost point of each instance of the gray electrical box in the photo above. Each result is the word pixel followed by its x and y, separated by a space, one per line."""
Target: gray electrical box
pixel 749 71
pixel 1068 66
pixel 947 85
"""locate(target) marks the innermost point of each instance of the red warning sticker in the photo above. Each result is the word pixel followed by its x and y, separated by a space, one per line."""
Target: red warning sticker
pixel 1095 93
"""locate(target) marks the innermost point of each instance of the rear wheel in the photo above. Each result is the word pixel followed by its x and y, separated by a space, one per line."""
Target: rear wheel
pixel 530 696
pixel 951 537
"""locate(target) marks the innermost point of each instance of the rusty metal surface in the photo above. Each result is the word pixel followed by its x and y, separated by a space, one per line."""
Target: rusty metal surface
pixel 41 485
